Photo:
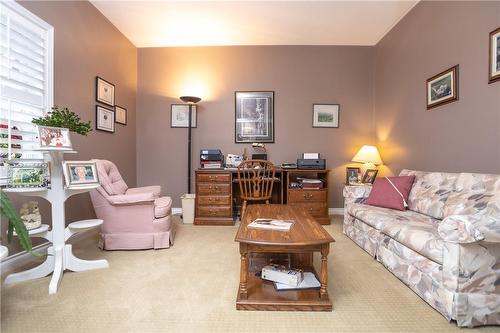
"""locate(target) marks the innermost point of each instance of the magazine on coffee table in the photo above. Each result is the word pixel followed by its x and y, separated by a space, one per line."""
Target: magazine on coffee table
pixel 271 224
pixel 309 282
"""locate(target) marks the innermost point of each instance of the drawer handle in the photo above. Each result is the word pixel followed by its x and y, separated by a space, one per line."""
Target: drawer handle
pixel 308 196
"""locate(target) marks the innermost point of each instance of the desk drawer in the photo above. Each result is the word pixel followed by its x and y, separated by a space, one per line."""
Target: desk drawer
pixel 214 189
pixel 213 211
pixel 315 209
pixel 306 196
pixel 214 177
pixel 224 200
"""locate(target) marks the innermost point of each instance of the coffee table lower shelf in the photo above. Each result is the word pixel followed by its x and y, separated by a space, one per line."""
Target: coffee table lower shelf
pixel 262 296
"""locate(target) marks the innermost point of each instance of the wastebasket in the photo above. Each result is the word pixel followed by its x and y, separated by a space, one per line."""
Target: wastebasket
pixel 188 208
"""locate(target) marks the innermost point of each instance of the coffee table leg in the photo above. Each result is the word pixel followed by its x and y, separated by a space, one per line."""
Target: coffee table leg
pixel 243 271
pixel 323 291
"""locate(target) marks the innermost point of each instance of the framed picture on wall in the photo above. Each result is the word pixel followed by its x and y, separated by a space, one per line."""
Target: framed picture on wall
pixel 494 65
pixel 105 91
pixel 326 115
pixel 105 119
pixel 179 115
pixel 442 88
pixel 120 115
pixel 254 116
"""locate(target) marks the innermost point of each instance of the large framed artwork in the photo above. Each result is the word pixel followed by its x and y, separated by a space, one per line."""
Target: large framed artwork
pixel 442 88
pixel 494 65
pixel 254 116
pixel 105 91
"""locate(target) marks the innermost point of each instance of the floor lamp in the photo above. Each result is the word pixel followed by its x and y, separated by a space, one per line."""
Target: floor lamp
pixel 191 100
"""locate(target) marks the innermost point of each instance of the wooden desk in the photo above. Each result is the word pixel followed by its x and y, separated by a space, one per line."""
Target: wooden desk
pixel 218 202
pixel 305 237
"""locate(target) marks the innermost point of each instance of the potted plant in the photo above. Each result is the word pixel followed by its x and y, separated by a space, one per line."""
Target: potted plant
pixel 64 117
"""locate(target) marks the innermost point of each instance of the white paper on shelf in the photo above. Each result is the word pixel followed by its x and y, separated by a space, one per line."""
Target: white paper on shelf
pixel 309 281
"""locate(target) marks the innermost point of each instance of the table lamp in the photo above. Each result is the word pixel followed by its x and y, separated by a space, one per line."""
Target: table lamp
pixel 191 100
pixel 369 156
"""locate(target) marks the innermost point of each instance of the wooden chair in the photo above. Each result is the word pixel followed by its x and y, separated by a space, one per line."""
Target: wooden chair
pixel 256 179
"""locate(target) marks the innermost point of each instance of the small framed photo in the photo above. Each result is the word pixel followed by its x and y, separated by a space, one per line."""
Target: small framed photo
pixel 54 138
pixel 326 115
pixel 23 175
pixel 369 176
pixel 105 119
pixel 494 68
pixel 105 91
pixel 120 115
pixel 80 173
pixel 442 88
pixel 351 176
pixel 179 115
pixel 254 117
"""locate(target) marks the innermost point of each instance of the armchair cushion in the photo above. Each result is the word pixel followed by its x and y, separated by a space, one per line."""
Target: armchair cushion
pixel 110 178
pixel 162 206
pixel 131 199
pixel 155 189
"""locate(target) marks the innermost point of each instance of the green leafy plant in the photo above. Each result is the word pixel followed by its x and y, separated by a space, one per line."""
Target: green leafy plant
pixel 64 117
pixel 8 211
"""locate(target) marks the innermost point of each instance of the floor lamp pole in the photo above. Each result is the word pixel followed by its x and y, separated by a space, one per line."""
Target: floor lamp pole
pixel 189 147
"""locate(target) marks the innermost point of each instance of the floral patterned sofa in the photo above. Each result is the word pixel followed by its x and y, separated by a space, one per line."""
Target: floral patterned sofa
pixel 445 247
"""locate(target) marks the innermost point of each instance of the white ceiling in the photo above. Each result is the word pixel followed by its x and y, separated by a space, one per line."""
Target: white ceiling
pixel 207 23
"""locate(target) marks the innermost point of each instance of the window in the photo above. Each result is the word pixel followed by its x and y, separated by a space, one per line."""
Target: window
pixel 26 79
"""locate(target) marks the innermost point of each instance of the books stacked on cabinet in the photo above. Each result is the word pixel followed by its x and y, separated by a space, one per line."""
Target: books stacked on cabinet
pixel 211 159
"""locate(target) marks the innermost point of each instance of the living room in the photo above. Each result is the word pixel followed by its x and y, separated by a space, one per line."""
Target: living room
pixel 404 226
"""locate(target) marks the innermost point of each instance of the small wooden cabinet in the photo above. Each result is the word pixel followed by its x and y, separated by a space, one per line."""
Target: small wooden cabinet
pixel 213 197
pixel 315 201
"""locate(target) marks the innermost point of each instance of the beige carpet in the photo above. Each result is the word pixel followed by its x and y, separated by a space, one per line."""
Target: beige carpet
pixel 192 286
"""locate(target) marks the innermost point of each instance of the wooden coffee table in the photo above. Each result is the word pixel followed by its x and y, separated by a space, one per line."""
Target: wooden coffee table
pixel 305 237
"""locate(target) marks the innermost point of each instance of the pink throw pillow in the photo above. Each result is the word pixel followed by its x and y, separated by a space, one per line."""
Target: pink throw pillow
pixel 383 194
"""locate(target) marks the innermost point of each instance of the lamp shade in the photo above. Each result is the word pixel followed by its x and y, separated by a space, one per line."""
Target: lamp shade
pixel 368 154
pixel 190 99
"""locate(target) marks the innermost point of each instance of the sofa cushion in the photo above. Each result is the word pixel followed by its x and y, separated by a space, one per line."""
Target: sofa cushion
pixel 417 231
pixel 391 192
pixel 162 206
pixel 430 191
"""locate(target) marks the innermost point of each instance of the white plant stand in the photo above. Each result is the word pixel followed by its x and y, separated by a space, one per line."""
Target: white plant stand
pixel 60 255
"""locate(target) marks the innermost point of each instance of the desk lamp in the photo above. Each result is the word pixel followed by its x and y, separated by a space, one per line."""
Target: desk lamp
pixel 369 156
pixel 191 100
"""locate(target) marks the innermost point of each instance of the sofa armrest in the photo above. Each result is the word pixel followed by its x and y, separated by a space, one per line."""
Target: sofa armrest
pixel 356 193
pixel 131 199
pixel 155 189
pixel 465 229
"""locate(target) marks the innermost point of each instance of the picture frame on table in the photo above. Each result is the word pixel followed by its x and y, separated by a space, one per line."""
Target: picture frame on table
pixel 254 117
pixel 494 56
pixel 104 91
pixel 179 116
pixel 53 138
pixel 352 175
pixel 120 115
pixel 28 175
pixel 80 173
pixel 105 119
pixel 326 115
pixel 442 88
pixel 369 176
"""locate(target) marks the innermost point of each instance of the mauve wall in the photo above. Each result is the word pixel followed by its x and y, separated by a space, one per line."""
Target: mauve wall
pixel 299 76
pixel 459 136
pixel 87 44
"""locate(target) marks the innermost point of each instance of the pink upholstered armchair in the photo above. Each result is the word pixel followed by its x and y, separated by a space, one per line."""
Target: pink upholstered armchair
pixel 134 218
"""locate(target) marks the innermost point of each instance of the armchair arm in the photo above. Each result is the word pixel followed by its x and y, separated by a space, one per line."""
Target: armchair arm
pixel 130 199
pixel 155 190
pixel 465 229
pixel 356 193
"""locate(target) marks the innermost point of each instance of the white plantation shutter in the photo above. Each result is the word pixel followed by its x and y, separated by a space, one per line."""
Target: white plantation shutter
pixel 26 79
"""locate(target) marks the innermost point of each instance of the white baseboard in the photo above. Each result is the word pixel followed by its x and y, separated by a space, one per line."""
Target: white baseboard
pixel 335 211
pixel 17 260
pixel 177 211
